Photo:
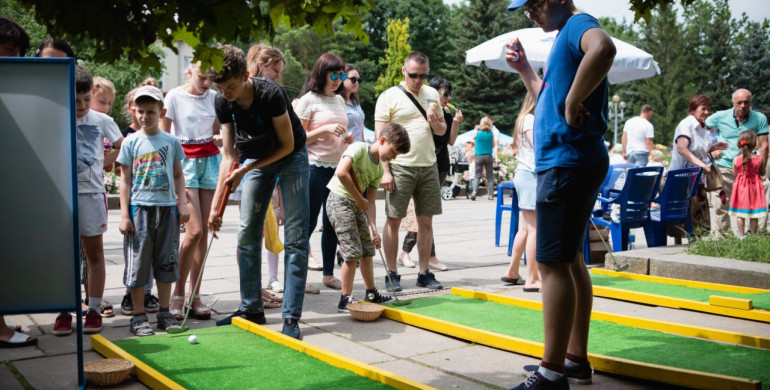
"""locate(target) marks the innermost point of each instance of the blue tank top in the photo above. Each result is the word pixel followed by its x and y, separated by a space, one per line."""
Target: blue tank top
pixel 484 142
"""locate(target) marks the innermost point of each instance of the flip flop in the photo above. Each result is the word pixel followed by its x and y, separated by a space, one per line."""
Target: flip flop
pixel 104 310
pixel 531 289
pixel 267 296
pixel 19 340
pixel 268 304
pixel 509 280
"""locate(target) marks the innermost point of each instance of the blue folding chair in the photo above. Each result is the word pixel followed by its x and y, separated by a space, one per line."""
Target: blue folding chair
pixel 674 201
pixel 513 208
pixel 634 200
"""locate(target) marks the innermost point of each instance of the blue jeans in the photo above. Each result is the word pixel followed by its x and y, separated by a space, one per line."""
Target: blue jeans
pixel 258 185
pixel 638 158
pixel 319 179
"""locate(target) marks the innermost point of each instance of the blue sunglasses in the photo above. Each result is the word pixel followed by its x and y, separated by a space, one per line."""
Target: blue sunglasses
pixel 334 76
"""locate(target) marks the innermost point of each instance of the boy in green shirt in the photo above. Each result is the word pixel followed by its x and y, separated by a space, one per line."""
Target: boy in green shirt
pixel 353 192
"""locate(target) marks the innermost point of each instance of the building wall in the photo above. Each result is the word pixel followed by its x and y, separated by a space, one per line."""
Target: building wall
pixel 176 65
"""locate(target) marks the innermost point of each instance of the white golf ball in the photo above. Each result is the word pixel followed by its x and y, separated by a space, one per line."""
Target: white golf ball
pixel 193 339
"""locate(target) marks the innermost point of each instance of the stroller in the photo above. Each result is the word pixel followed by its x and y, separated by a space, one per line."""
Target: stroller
pixel 454 179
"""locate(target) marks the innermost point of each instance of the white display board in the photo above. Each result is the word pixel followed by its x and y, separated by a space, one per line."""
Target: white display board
pixel 39 261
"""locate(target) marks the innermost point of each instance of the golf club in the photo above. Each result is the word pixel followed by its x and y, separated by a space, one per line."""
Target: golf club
pixel 618 268
pixel 221 204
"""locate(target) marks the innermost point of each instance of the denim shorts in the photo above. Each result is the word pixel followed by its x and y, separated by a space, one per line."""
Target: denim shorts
pixel 201 172
pixel 565 198
pixel 526 188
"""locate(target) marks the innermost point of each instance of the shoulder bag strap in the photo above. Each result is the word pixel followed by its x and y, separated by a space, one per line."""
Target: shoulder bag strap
pixel 416 103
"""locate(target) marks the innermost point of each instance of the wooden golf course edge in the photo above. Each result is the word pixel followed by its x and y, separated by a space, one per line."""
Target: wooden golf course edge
pixel 334 359
pixel 678 303
pixel 630 368
pixel 680 282
pixel 636 322
pixel 146 374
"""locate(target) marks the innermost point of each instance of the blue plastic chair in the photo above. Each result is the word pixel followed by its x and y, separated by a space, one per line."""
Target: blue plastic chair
pixel 634 199
pixel 613 173
pixel 674 201
pixel 501 207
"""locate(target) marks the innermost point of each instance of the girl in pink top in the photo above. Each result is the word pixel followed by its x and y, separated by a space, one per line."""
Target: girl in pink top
pixel 322 113
pixel 748 198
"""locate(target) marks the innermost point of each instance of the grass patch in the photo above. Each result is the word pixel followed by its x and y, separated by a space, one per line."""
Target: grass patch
pixel 754 247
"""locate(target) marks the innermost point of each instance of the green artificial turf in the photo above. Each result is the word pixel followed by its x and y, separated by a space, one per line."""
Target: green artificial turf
pixel 605 338
pixel 761 300
pixel 228 357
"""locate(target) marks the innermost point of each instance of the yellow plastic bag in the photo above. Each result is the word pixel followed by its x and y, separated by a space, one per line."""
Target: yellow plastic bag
pixel 272 241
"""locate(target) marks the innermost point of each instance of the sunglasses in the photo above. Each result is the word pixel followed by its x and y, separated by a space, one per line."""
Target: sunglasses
pixel 334 76
pixel 447 93
pixel 354 80
pixel 534 9
pixel 416 75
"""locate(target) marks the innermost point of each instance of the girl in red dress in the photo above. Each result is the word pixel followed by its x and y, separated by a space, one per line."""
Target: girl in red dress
pixel 748 198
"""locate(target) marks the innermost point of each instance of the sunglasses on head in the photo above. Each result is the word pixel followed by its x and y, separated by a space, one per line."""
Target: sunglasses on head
pixel 354 80
pixel 423 76
pixel 334 76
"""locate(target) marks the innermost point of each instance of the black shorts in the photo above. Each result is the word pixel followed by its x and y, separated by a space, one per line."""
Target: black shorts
pixel 565 198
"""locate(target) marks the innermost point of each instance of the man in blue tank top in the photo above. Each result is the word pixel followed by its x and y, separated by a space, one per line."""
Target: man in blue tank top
pixel 571 161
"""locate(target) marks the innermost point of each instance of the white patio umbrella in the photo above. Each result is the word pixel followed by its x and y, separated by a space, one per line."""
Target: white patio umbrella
pixel 631 63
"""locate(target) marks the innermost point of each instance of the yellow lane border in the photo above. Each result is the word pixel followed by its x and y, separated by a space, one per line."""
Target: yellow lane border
pixel 630 368
pixel 334 359
pixel 642 323
pixel 680 282
pixel 146 374
pixel 678 303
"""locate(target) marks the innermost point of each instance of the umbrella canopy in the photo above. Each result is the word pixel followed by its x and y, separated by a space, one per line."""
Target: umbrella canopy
pixel 502 139
pixel 631 63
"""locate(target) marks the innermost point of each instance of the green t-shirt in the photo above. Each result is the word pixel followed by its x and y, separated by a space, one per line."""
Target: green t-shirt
pixel 368 171
pixel 728 131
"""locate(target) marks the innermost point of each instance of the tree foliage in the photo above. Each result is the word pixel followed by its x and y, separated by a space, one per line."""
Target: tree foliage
pixel 130 28
pixel 480 91
pixel 397 50
pixel 643 8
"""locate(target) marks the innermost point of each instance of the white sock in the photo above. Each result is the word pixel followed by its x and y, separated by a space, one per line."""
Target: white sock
pixel 94 303
pixel 570 363
pixel 549 374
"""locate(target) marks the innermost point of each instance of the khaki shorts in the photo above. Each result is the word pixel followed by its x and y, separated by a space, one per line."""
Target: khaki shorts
pixel 351 226
pixel 420 183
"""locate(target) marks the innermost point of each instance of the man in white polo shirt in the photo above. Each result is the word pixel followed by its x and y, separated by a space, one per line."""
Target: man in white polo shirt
pixel 413 105
pixel 637 137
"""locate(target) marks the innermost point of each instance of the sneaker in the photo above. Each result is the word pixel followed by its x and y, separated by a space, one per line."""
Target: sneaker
pixel 535 380
pixel 342 307
pixel 93 323
pixel 140 326
pixel 374 296
pixel 257 318
pixel 127 307
pixel 275 285
pixel 310 289
pixel 63 325
pixel 395 279
pixel 405 260
pixel 580 374
pixel 151 303
pixel 166 320
pixel 428 280
pixel 291 328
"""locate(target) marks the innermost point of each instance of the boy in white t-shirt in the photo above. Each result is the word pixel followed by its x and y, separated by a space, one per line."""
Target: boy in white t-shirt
pixel 353 191
pixel 92 128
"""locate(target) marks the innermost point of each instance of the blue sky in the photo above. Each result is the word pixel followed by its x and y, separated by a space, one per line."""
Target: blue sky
pixel 757 10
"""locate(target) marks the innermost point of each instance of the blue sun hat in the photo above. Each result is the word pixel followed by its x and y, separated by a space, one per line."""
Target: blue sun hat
pixel 516 4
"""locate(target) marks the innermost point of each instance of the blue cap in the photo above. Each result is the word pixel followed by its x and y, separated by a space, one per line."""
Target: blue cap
pixel 516 4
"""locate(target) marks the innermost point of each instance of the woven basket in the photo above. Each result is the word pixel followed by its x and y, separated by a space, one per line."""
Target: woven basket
pixel 107 372
pixel 365 311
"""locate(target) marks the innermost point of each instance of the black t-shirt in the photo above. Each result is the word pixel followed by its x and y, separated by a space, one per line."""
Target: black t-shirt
pixel 270 101
pixel 441 142
pixel 128 130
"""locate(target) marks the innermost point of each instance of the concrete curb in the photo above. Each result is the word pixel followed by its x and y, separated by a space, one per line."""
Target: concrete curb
pixel 674 262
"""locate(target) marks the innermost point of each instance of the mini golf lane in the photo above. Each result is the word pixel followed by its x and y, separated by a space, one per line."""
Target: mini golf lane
pixel 721 299
pixel 613 348
pixel 244 355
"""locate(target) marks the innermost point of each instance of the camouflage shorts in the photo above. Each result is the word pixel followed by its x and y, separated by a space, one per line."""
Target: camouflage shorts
pixel 349 223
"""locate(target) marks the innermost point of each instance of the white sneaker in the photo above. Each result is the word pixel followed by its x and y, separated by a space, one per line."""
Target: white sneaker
pixel 275 285
pixel 405 260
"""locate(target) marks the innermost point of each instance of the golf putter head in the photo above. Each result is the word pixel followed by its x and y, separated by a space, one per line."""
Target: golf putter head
pixel 176 329
pixel 621 268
